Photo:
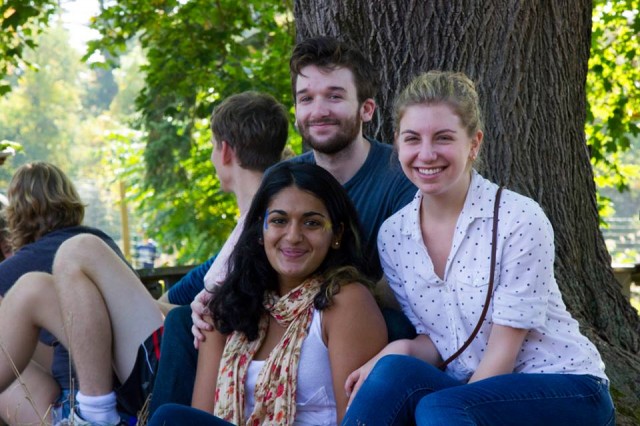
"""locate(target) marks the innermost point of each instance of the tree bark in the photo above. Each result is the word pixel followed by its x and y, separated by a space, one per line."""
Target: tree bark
pixel 529 60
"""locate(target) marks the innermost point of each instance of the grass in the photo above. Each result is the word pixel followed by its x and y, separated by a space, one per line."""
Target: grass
pixel 25 388
pixel 142 415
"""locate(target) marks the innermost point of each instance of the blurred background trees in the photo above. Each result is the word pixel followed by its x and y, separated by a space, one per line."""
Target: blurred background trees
pixel 136 108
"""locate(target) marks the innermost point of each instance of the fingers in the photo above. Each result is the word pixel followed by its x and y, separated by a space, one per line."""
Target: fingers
pixel 199 324
pixel 198 311
pixel 351 381
pixel 196 340
pixel 197 333
pixel 203 297
pixel 199 308
pixel 354 391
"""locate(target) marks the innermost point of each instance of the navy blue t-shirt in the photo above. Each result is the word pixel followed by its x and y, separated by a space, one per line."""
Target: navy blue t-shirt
pixel 184 291
pixel 38 257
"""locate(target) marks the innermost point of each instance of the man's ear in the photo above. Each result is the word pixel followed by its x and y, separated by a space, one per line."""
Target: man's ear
pixel 367 109
pixel 228 154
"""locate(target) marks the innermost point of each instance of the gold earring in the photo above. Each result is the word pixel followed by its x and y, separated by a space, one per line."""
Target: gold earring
pixel 336 244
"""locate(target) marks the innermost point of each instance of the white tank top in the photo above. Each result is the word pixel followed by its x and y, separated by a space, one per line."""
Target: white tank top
pixel 315 400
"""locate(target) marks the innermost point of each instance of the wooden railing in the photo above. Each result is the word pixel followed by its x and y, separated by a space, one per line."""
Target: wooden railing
pixel 159 280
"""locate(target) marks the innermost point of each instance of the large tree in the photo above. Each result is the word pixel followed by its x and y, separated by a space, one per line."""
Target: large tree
pixel 529 59
pixel 201 51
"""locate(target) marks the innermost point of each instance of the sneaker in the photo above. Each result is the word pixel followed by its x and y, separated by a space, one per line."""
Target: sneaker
pixel 74 419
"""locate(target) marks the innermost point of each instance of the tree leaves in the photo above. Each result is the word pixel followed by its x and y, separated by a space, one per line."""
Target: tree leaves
pixel 612 89
pixel 198 53
pixel 20 22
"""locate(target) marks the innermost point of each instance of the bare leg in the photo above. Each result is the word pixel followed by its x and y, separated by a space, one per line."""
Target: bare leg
pixel 95 287
pixel 25 309
pixel 28 400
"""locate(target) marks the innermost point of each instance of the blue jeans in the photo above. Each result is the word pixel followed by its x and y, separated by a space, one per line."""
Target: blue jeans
pixel 178 361
pixel 61 409
pixel 174 414
pixel 402 390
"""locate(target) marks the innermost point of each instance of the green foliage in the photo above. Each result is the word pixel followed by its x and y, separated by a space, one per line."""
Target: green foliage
pixel 182 220
pixel 195 58
pixel 130 82
pixel 14 146
pixel 42 112
pixel 197 53
pixel 613 86
pixel 20 23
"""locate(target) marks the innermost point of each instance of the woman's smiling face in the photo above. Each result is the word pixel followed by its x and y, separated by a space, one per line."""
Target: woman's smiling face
pixel 297 235
pixel 434 149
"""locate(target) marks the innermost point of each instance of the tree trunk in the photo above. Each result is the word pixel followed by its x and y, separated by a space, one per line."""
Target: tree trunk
pixel 529 59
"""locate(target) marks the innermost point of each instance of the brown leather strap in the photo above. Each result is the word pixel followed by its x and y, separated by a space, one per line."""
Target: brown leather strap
pixel 494 243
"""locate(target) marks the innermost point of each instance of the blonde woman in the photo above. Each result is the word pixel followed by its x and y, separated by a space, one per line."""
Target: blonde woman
pixel 524 360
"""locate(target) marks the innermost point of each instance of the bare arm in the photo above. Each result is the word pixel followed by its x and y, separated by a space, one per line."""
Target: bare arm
pixel 164 298
pixel 501 353
pixel 209 355
pixel 355 331
pixel 164 307
pixel 420 347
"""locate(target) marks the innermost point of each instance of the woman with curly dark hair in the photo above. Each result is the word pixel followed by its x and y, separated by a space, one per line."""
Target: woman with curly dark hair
pixel 294 314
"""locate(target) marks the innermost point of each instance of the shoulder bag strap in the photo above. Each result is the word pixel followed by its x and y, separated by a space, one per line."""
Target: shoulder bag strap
pixel 494 243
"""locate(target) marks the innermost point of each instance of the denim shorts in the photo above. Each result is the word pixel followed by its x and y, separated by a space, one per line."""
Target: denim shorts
pixel 61 409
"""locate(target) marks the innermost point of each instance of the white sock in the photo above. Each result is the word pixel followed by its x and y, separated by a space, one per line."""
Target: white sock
pixel 98 409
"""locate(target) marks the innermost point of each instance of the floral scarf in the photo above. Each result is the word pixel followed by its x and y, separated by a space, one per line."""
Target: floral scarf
pixel 275 391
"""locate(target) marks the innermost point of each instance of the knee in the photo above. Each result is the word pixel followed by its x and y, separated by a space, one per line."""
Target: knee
pixel 392 365
pixel 30 289
pixel 389 362
pixel 178 320
pixel 165 415
pixel 438 409
pixel 389 367
pixel 73 252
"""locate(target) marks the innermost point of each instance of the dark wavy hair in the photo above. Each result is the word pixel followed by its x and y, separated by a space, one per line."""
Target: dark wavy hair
pixel 41 199
pixel 237 304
